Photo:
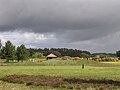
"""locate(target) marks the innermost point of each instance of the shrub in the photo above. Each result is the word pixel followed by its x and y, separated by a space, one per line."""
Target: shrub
pixel 40 60
pixel 77 58
pixel 66 58
pixel 107 59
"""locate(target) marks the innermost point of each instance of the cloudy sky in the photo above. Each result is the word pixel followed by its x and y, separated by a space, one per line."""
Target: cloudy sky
pixel 92 25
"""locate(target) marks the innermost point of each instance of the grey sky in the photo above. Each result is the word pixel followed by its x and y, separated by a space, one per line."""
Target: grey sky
pixel 64 23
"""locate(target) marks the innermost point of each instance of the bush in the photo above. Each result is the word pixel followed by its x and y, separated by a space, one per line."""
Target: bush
pixel 40 60
pixel 107 59
pixel 77 58
pixel 66 58
pixel 37 55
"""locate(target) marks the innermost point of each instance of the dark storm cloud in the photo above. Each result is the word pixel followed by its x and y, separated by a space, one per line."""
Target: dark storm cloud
pixel 70 20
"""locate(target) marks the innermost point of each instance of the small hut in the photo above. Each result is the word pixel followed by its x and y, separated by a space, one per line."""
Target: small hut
pixel 51 56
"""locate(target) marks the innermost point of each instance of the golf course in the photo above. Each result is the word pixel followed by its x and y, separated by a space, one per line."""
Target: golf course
pixel 60 75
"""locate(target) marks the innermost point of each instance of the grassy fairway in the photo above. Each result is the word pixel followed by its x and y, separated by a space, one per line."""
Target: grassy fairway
pixel 93 70
pixel 73 71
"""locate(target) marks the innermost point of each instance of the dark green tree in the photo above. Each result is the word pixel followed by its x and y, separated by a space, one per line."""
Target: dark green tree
pixel 0 48
pixel 31 51
pixel 9 51
pixel 38 55
pixel 118 53
pixel 0 45
pixel 3 53
pixel 22 53
pixel 84 55
pixel 45 53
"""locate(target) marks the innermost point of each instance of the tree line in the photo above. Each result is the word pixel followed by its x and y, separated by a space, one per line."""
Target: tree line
pixel 60 52
pixel 10 52
pixel 20 53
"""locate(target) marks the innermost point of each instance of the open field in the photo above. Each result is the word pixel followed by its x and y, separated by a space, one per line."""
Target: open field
pixel 67 69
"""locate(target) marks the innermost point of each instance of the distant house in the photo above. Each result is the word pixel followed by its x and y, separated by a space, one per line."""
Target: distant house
pixel 51 56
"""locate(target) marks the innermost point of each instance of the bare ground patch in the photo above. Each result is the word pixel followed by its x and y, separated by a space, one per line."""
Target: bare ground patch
pixel 62 82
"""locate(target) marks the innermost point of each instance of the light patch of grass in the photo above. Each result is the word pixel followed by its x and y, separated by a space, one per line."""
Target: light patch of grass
pixel 67 71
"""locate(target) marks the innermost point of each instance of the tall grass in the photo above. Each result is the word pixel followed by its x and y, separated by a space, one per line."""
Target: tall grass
pixel 15 86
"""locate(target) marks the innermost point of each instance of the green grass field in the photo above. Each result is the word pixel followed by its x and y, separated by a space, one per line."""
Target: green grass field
pixel 92 70
pixel 69 71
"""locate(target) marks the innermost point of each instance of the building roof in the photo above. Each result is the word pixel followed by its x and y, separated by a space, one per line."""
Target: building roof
pixel 51 55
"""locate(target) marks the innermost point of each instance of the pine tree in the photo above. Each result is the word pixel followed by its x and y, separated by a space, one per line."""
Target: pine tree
pixel 118 53
pixel 22 53
pixel 0 45
pixel 0 48
pixel 9 51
